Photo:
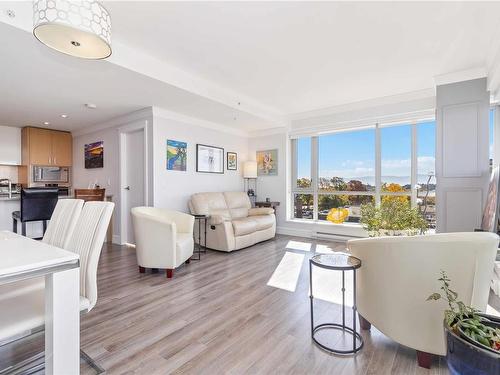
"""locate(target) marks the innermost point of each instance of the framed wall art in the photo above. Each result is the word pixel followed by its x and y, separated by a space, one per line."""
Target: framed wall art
pixel 209 159
pixel 176 155
pixel 267 163
pixel 232 161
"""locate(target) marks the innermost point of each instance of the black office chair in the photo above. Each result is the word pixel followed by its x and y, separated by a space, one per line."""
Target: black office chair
pixel 37 204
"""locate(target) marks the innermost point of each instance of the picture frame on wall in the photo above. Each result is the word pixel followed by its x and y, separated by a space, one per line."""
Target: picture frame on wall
pixel 232 161
pixel 267 163
pixel 94 155
pixel 176 155
pixel 209 159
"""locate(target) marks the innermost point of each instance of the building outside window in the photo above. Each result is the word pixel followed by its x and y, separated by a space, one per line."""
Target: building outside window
pixel 346 169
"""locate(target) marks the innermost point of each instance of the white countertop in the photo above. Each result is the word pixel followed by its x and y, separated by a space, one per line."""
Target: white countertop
pixel 23 256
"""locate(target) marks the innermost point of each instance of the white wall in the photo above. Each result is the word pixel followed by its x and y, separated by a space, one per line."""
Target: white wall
pixel 108 176
pixel 172 189
pixel 272 187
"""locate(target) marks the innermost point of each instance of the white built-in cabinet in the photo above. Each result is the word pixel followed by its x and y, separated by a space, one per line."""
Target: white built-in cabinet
pixel 10 145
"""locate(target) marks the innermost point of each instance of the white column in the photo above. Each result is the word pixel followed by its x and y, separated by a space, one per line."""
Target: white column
pixel 462 162
pixel 62 322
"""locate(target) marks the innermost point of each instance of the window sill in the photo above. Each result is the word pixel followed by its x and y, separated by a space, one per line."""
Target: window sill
pixel 325 223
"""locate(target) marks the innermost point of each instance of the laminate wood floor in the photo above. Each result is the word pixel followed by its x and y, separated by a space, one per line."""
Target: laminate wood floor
pixel 220 316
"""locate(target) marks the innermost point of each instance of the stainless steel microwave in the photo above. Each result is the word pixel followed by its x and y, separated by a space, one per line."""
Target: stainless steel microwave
pixel 58 175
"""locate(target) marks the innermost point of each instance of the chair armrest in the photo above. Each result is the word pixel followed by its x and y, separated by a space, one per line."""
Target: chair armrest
pixel 216 219
pixel 184 222
pixel 260 211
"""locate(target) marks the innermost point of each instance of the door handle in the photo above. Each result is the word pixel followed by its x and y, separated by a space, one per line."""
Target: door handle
pixel 127 187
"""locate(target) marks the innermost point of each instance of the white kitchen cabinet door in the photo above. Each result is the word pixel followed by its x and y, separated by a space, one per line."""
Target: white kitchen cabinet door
pixel 10 145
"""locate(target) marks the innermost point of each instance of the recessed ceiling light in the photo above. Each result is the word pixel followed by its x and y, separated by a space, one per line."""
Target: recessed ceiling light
pixel 10 13
pixel 64 116
pixel 46 123
pixel 90 105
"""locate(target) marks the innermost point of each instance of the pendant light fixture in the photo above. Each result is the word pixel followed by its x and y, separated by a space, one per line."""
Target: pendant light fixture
pixel 76 28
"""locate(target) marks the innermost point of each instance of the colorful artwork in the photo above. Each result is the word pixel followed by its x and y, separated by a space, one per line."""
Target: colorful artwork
pixel 94 155
pixel 176 155
pixel 209 159
pixel 267 163
pixel 232 161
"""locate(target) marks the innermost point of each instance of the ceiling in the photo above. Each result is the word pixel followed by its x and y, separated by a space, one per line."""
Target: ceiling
pixel 244 65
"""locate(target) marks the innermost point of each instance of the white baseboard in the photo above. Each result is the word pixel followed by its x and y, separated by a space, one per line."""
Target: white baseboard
pixel 116 239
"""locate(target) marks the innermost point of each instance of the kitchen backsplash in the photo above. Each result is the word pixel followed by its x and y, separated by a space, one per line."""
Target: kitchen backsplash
pixel 9 171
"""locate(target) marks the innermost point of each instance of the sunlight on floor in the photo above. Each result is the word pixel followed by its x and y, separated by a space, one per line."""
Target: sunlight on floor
pixel 327 285
pixel 286 275
pixel 297 245
pixel 323 249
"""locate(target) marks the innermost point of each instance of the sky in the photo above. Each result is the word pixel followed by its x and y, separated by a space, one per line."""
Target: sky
pixel 351 155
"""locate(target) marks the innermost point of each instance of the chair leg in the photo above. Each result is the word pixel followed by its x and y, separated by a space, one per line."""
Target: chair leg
pixel 14 225
pixel 170 273
pixel 424 359
pixel 365 324
pixel 142 269
pixel 188 260
pixel 23 230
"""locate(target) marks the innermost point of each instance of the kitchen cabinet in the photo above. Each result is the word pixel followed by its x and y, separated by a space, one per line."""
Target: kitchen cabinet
pixel 46 147
pixel 10 145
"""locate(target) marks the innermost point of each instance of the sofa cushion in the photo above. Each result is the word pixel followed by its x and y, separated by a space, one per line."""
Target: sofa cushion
pixel 244 226
pixel 263 221
pixel 209 204
pixel 238 203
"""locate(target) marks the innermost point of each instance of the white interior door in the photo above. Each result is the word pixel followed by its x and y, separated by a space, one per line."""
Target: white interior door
pixel 134 184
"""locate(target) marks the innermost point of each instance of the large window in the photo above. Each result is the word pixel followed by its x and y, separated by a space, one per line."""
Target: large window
pixel 338 172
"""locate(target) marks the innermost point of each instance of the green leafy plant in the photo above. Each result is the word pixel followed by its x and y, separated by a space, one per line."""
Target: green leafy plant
pixel 393 216
pixel 465 320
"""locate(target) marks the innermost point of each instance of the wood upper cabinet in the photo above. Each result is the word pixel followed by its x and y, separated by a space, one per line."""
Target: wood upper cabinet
pixel 62 149
pixel 46 147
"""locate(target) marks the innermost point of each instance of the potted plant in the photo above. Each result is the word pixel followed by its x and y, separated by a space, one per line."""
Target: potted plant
pixel 394 217
pixel 473 339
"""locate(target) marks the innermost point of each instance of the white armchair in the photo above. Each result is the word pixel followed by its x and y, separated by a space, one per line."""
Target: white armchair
pixel 164 238
pixel 399 273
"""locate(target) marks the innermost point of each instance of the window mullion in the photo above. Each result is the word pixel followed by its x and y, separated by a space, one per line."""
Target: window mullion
pixel 378 164
pixel 314 174
pixel 414 161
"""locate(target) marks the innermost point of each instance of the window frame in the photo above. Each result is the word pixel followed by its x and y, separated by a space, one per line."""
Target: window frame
pixel 377 193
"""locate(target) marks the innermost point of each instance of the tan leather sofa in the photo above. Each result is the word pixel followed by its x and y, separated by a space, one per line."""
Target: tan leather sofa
pixel 233 223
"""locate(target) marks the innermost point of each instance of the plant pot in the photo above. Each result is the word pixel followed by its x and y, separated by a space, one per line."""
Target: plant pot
pixel 467 357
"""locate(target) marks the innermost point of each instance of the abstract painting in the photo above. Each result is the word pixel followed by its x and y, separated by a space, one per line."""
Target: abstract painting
pixel 232 161
pixel 209 159
pixel 94 155
pixel 176 155
pixel 267 163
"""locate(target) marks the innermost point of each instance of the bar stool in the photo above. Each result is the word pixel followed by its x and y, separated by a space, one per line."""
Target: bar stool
pixel 37 204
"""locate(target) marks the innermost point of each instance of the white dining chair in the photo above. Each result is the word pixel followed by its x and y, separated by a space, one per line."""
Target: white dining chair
pixel 63 222
pixel 23 309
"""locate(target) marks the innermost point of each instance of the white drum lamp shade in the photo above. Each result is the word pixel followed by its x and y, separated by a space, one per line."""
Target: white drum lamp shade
pixel 76 28
pixel 250 169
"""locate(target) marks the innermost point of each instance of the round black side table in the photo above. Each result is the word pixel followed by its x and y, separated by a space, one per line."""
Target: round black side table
pixel 337 262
